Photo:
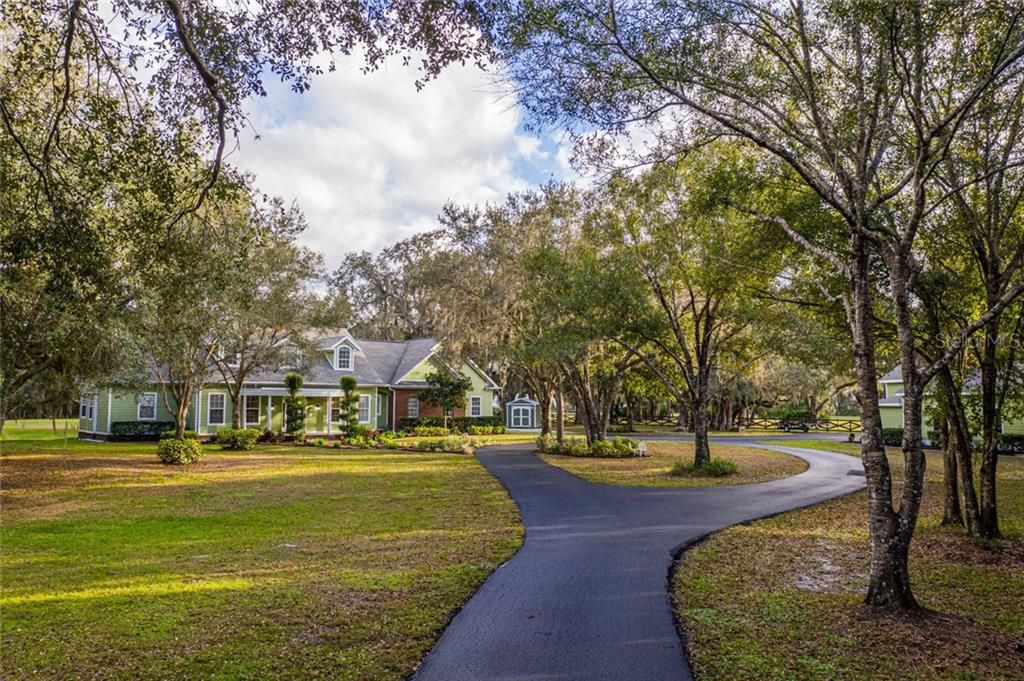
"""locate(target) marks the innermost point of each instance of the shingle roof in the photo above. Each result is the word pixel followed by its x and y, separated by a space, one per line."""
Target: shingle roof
pixel 374 362
pixel 416 351
pixel 895 374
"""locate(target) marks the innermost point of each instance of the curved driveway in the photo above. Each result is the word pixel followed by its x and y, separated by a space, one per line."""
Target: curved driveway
pixel 586 597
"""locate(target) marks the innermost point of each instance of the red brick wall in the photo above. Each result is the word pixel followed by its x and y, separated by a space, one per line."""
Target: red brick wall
pixel 402 406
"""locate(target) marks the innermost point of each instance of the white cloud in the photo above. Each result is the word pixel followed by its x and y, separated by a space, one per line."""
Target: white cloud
pixel 370 160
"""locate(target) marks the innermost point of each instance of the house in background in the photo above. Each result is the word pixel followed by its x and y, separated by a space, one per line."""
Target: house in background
pixel 890 405
pixel 390 377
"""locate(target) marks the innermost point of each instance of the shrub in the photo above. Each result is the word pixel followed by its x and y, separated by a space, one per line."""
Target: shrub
pixel 603 448
pixel 456 423
pixel 336 444
pixel 295 404
pixel 716 468
pixel 452 443
pixel 319 442
pixel 1008 443
pixel 545 443
pixel 188 434
pixel 179 452
pixel 138 431
pixel 430 431
pixel 239 440
pixel 299 437
pixel 892 437
pixel 934 438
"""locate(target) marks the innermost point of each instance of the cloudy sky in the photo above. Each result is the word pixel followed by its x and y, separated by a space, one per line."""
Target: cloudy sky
pixel 370 160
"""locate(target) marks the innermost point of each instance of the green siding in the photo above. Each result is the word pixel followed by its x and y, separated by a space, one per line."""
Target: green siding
pixel 892 417
pixel 479 385
pixel 203 404
pixel 385 408
pixel 1013 427
pixel 420 371
pixel 891 389
pixel 277 414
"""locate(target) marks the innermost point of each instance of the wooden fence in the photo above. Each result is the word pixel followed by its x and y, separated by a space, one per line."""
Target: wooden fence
pixel 805 425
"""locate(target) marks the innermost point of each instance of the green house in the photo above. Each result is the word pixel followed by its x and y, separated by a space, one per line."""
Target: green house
pixel 390 377
pixel 890 404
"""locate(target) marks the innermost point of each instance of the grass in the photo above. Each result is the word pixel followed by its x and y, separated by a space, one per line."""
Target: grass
pixel 34 429
pixel 278 563
pixel 781 598
pixel 755 465
pixel 480 440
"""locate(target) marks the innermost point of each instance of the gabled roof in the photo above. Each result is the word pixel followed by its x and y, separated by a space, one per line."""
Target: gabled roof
pixel 895 375
pixel 375 362
pixel 415 351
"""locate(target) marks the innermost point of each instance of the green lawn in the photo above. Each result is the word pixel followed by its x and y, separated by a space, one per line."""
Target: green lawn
pixel 278 563
pixel 756 465
pixel 781 598
pixel 480 440
pixel 34 429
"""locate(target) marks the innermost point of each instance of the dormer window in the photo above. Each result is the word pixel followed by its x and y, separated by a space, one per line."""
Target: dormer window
pixel 344 359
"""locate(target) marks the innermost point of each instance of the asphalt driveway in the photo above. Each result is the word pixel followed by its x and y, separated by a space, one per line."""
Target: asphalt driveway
pixel 586 597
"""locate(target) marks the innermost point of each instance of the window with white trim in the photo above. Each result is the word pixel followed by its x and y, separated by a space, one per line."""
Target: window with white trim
pixel 364 409
pixel 215 409
pixel 414 407
pixel 380 404
pixel 335 409
pixel 85 406
pixel 146 410
pixel 344 359
pixel 476 406
pixel 252 409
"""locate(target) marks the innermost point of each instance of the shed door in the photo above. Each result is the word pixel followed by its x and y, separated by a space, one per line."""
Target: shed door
pixel 521 417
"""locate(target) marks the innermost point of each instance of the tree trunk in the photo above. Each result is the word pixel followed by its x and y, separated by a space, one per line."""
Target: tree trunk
pixel 701 446
pixel 559 414
pixel 989 518
pixel 236 410
pixel 545 410
pixel 951 513
pixel 181 419
pixel 960 444
pixel 681 420
pixel 630 424
pixel 889 578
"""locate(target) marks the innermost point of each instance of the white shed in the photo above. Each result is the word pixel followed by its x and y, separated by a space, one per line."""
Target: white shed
pixel 522 413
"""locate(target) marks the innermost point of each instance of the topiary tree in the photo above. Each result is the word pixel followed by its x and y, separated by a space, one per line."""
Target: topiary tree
pixel 446 390
pixel 348 406
pixel 295 405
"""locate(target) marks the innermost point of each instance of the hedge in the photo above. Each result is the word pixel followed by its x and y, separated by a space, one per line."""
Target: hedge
pixel 892 437
pixel 138 431
pixel 1010 443
pixel 456 423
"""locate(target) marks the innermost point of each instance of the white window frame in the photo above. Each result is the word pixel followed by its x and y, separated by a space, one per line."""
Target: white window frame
pixel 138 407
pixel 337 358
pixel 85 410
pixel 517 410
pixel 380 404
pixel 223 409
pixel 363 398
pixel 476 405
pixel 411 412
pixel 245 409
